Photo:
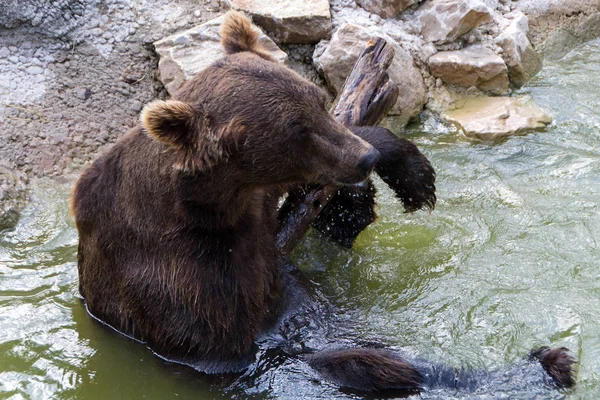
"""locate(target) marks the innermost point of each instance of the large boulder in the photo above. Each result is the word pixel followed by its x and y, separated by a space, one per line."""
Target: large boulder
pixel 521 58
pixel 289 21
pixel 495 117
pixel 336 59
pixel 13 196
pixel 186 53
pixel 386 8
pixel 471 66
pixel 444 21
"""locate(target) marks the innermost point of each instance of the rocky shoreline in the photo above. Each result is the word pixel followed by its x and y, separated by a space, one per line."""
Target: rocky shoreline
pixel 74 74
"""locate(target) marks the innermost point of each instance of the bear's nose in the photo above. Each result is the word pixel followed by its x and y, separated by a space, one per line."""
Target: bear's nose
pixel 367 162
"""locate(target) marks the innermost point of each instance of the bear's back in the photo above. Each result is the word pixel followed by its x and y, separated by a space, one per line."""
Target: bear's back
pixel 159 269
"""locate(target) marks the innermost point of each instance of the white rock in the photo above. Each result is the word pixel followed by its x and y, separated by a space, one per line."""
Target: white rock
pixel 386 8
pixel 35 70
pixel 184 54
pixel 495 117
pixel 444 21
pixel 336 60
pixel 472 66
pixel 289 21
pixel 521 58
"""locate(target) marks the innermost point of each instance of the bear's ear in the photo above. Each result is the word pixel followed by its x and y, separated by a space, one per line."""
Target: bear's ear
pixel 170 122
pixel 188 130
pixel 238 34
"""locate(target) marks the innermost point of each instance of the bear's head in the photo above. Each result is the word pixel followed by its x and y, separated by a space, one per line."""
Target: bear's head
pixel 258 117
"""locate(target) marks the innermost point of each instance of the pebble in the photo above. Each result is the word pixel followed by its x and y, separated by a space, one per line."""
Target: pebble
pixel 83 93
pixel 4 52
pixel 95 32
pixel 102 136
pixel 136 106
pixel 35 70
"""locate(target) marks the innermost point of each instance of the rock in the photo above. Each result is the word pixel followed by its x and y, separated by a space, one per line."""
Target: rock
pixel 471 66
pixel 336 59
pixel 519 55
pixel 557 26
pixel 444 21
pixel 495 117
pixel 136 106
pixel 184 54
pixel 35 70
pixel 289 21
pixel 13 196
pixel 47 16
pixel 386 8
pixel 83 93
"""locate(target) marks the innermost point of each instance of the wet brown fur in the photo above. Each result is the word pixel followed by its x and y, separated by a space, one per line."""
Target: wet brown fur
pixel 558 363
pixel 239 35
pixel 366 370
pixel 177 221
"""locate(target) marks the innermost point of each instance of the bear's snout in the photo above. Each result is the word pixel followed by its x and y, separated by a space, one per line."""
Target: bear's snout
pixel 368 161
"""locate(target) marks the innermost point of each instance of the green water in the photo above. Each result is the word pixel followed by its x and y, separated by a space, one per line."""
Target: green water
pixel 507 261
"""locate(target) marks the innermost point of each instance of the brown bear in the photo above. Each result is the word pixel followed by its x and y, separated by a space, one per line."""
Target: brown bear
pixel 177 222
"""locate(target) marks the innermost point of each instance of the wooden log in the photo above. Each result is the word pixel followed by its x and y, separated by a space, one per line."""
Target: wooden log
pixel 367 96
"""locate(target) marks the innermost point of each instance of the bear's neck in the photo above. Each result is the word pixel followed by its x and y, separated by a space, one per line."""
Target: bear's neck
pixel 221 201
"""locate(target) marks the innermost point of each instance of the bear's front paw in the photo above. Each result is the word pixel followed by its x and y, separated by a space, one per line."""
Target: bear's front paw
pixel 410 174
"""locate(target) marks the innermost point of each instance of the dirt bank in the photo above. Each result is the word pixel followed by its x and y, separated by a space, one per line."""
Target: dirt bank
pixel 75 74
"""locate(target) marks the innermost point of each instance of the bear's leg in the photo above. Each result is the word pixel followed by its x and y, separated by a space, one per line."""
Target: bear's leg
pixel 401 165
pixel 348 213
pixel 377 370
